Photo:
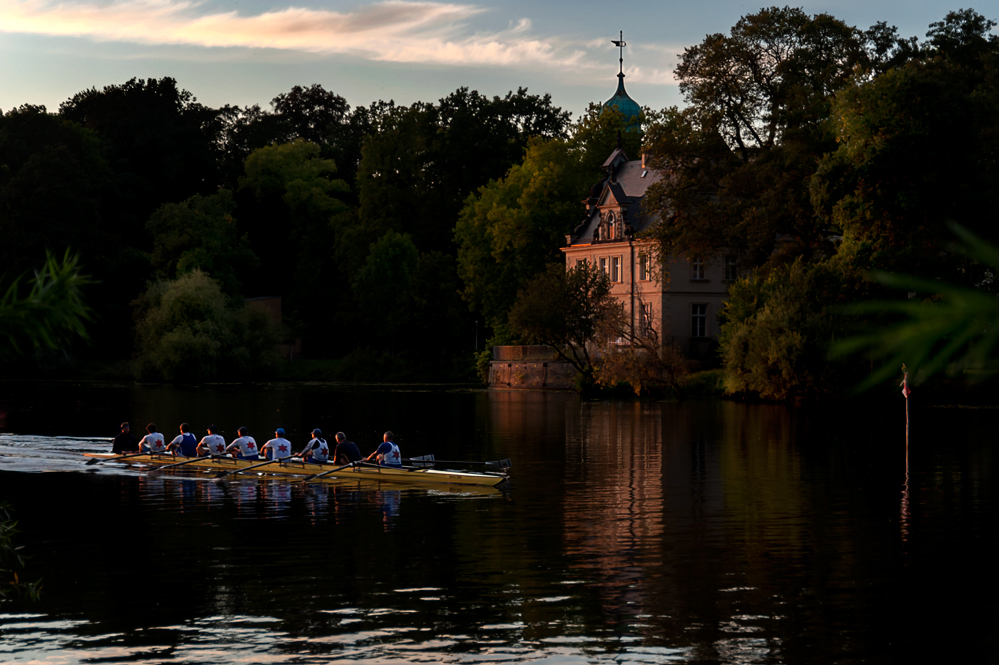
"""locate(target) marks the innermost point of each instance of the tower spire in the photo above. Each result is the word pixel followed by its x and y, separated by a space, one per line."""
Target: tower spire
pixel 620 44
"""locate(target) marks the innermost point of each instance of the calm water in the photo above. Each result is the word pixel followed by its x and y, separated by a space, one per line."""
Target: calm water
pixel 693 532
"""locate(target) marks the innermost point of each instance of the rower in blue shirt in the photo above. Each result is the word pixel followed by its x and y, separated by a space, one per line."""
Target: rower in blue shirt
pixel 185 443
pixel 388 453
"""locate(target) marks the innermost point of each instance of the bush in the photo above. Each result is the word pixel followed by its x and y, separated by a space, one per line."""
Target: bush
pixel 776 332
pixel 188 331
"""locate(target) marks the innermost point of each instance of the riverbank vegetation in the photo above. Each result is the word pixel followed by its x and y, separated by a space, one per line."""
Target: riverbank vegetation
pixel 826 159
pixel 404 240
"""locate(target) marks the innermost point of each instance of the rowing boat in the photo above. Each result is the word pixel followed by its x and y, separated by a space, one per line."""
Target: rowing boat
pixel 363 471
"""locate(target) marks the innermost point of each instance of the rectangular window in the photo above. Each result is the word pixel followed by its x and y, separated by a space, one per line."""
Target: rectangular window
pixel 698 320
pixel 644 266
pixel 603 266
pixel 731 269
pixel 697 268
pixel 645 320
pixel 615 269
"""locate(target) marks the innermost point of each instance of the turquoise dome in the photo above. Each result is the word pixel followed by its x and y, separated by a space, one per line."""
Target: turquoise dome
pixel 628 107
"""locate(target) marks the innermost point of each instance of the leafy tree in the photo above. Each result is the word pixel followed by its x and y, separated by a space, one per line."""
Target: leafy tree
pixel 313 114
pixel 52 183
pixel 57 192
pixel 776 332
pixel 438 326
pixel 383 283
pixel 293 201
pixel 741 154
pixel 964 36
pixel 423 161
pixel 411 316
pixel 566 310
pixel 512 228
pixel 201 234
pixel 310 113
pixel 916 147
pixel 645 364
pixel 160 141
pixel 187 331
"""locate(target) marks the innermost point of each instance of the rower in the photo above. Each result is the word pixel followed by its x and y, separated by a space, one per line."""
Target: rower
pixel 153 440
pixel 245 445
pixel 277 447
pixel 316 450
pixel 346 451
pixel 212 444
pixel 124 442
pixel 388 453
pixel 184 444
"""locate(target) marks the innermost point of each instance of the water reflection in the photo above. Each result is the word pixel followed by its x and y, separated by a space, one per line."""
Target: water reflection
pixel 707 532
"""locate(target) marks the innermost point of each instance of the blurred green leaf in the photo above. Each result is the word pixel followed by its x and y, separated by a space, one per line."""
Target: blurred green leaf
pixel 954 329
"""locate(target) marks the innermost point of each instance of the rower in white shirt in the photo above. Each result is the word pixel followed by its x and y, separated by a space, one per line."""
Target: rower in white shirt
pixel 277 447
pixel 316 450
pixel 245 445
pixel 153 441
pixel 212 444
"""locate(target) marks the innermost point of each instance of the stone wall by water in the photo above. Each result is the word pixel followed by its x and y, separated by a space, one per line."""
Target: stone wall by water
pixel 529 368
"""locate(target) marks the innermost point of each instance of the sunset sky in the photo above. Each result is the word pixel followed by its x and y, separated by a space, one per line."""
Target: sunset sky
pixel 247 51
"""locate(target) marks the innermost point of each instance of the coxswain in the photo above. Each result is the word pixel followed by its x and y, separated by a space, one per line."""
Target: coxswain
pixel 346 451
pixel 388 453
pixel 316 450
pixel 212 444
pixel 245 445
pixel 185 443
pixel 153 440
pixel 277 447
pixel 125 442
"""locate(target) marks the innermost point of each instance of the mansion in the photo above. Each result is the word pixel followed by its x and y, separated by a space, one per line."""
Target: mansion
pixel 679 300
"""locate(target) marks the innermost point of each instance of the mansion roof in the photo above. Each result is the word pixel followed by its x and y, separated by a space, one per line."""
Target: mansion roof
pixel 614 209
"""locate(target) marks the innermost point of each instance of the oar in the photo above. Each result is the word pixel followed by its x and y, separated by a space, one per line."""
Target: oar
pixel 223 474
pixel 423 460
pixel 96 460
pixel 187 461
pixel 326 473
pixel 503 463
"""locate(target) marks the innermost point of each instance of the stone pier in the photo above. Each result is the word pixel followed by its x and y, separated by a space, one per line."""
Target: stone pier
pixel 529 368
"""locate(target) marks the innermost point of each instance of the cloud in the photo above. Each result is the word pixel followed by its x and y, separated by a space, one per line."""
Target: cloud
pixel 433 33
pixel 395 30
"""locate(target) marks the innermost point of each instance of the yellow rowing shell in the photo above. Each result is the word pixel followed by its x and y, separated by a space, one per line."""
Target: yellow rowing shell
pixel 382 474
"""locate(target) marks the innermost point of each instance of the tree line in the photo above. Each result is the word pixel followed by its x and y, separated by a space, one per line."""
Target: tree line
pixel 825 158
pixel 814 152
pixel 178 212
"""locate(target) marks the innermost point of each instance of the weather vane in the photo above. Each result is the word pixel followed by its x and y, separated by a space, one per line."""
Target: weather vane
pixel 620 43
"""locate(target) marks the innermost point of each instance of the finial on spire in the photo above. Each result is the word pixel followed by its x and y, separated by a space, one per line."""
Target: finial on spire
pixel 620 44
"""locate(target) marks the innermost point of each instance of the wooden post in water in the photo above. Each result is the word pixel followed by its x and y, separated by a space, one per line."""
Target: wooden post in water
pixel 905 487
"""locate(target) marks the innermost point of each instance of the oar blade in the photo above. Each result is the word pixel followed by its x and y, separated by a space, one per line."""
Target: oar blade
pixel 500 464
pixel 422 461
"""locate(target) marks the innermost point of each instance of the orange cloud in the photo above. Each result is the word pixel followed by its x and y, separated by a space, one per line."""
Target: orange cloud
pixel 392 31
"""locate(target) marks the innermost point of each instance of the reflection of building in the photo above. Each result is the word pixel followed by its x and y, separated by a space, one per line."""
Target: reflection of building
pixel 679 300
